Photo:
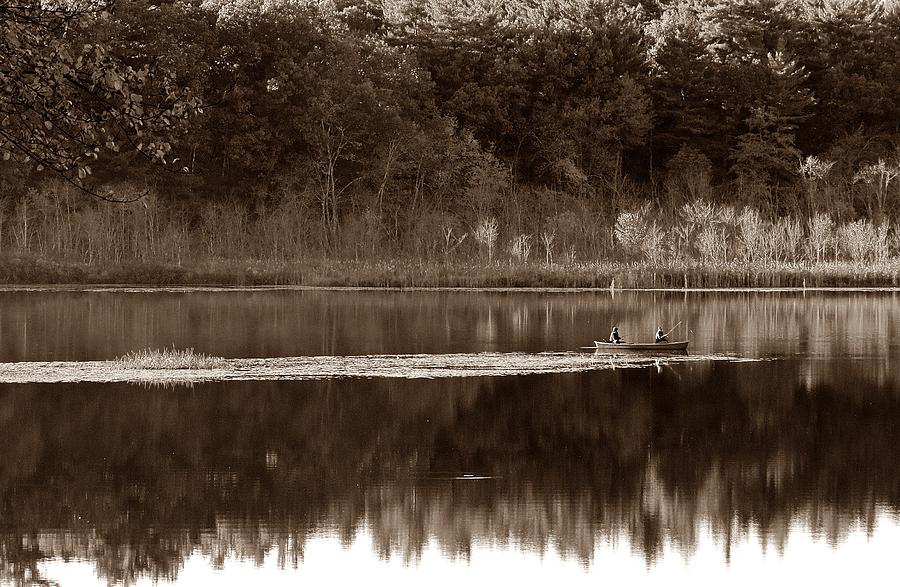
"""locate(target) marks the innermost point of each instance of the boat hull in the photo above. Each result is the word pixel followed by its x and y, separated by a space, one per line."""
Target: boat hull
pixel 655 347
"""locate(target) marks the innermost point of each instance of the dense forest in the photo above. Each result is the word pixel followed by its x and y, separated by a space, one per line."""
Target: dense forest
pixel 554 132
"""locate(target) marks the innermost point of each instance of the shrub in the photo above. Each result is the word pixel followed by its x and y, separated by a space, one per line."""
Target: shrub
pixel 786 238
pixel 653 246
pixel 520 247
pixel 632 228
pixel 711 244
pixel 693 216
pixel 688 173
pixel 752 235
pixel 820 233
pixel 862 240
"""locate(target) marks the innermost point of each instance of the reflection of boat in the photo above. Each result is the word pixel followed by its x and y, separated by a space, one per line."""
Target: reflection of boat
pixel 680 345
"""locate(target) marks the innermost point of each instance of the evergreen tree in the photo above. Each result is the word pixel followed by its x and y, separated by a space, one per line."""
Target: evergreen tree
pixel 767 150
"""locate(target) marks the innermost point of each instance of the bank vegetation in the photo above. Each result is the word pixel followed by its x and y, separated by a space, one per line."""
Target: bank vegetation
pixel 434 142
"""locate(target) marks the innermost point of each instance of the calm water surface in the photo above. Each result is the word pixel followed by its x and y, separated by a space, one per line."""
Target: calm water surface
pixel 596 475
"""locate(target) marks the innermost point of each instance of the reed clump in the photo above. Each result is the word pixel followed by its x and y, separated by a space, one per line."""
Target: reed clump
pixel 169 358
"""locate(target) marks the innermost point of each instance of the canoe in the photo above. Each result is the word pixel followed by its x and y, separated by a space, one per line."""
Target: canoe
pixel 679 345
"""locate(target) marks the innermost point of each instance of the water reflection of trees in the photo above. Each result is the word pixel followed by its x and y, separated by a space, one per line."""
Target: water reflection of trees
pixel 136 480
pixel 84 325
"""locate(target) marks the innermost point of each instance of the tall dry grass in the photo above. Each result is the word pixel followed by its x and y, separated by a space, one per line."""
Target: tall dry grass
pixel 58 235
pixel 169 359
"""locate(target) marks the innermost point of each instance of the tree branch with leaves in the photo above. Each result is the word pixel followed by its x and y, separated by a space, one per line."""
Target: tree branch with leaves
pixel 65 100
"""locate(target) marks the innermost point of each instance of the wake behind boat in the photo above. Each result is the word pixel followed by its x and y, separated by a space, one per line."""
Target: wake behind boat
pixel 679 345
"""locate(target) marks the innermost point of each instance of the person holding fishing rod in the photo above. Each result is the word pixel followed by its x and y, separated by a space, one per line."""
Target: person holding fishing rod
pixel 614 336
pixel 664 336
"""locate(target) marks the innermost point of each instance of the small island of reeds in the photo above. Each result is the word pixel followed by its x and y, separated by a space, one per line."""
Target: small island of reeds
pixel 169 358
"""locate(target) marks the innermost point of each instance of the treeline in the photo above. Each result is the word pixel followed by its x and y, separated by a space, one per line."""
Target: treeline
pixel 408 127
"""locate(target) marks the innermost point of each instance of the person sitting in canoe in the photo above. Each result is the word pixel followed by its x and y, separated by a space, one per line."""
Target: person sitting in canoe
pixel 614 336
pixel 660 335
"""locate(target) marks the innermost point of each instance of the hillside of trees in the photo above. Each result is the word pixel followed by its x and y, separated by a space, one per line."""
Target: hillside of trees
pixel 533 131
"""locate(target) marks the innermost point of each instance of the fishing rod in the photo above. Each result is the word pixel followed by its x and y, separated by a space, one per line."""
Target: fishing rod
pixel 673 329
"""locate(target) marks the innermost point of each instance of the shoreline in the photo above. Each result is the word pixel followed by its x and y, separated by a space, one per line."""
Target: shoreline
pixel 187 288
pixel 446 275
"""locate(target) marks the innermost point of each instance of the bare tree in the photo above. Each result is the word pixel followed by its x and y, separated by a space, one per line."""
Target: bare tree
pixel 520 247
pixel 820 230
pixel 486 234
pixel 879 176
pixel 332 146
pixel 813 170
pixel 547 238
pixel 452 242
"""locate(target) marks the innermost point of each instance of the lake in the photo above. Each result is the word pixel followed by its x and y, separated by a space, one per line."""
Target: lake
pixel 766 453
